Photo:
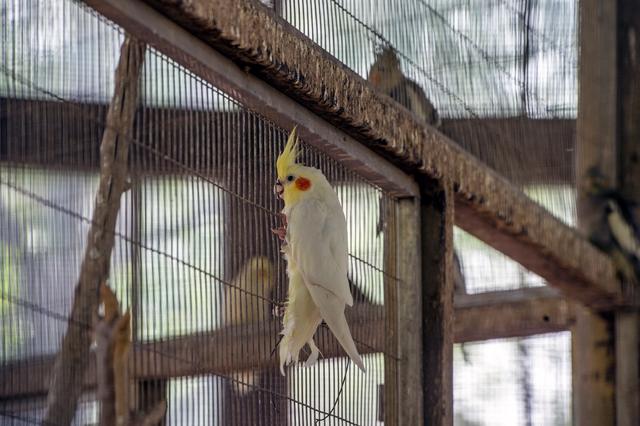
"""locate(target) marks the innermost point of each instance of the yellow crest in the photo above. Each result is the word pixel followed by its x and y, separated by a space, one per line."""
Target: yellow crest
pixel 288 156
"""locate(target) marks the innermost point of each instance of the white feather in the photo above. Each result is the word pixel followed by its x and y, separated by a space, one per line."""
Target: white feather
pixel 622 231
pixel 317 245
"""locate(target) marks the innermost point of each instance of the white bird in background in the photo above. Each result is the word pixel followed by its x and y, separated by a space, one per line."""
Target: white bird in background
pixel 315 247
pixel 625 235
pixel 243 306
pixel 620 234
pixel 386 76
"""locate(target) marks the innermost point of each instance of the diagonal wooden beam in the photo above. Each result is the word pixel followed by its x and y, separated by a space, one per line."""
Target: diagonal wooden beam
pixel 488 206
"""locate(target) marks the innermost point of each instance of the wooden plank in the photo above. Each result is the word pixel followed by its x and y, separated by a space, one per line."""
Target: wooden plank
pixel 410 341
pixel 509 151
pixel 593 346
pixel 218 352
pixel 628 322
pixel 436 224
pixel 593 368
pixel 627 336
pixel 514 313
pixel 491 208
pixel 392 246
pixel 38 125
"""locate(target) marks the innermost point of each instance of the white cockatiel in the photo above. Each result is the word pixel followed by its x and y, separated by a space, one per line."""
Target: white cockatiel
pixel 315 247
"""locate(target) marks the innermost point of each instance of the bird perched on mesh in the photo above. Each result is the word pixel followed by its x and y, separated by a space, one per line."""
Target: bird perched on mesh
pixel 247 301
pixel 386 76
pixel 315 248
pixel 619 234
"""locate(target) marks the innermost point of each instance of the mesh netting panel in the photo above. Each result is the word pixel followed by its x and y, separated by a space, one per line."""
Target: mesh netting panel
pixel 194 257
pixel 521 381
pixel 502 75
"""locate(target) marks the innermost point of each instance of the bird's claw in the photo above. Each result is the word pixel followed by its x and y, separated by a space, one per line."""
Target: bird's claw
pixel 281 232
pixel 278 311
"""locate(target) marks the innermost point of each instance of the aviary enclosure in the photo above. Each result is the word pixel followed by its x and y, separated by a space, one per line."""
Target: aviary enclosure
pixel 140 281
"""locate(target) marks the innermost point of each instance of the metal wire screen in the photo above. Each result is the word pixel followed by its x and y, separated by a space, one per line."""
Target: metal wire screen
pixel 194 258
pixel 502 75
pixel 520 381
pixel 502 79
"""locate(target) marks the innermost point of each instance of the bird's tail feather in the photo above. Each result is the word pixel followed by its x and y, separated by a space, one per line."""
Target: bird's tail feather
pixel 332 311
pixel 301 319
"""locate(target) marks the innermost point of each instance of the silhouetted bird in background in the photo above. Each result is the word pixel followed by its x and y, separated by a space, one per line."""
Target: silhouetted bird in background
pixel 386 76
pixel 619 234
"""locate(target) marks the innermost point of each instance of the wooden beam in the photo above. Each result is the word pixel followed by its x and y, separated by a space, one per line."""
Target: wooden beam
pixel 36 127
pixel 628 322
pixel 200 353
pixel 436 248
pixel 593 348
pixel 509 151
pixel 514 313
pixel 408 328
pixel 490 207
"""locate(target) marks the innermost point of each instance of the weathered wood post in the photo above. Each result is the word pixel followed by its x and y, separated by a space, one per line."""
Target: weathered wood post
pixel 628 323
pixel 605 346
pixel 436 225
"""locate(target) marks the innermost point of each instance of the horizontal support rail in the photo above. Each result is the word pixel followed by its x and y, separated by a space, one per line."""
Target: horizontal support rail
pixel 48 119
pixel 477 317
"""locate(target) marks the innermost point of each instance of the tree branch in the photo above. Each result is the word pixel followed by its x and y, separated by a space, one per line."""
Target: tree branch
pixel 72 360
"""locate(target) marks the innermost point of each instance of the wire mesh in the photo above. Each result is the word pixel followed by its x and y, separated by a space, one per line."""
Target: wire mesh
pixel 194 257
pixel 519 381
pixel 502 78
pixel 502 75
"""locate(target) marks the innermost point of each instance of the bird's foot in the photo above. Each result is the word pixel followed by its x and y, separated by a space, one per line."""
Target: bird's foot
pixel 281 232
pixel 278 311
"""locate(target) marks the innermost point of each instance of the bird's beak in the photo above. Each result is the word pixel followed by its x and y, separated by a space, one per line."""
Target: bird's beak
pixel 278 188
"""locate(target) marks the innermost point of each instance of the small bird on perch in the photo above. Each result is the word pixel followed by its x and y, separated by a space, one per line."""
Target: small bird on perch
pixel 315 248
pixel 386 76
pixel 247 301
pixel 620 235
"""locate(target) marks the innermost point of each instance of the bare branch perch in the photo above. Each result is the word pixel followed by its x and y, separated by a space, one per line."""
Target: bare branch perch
pixel 72 360
pixel 113 360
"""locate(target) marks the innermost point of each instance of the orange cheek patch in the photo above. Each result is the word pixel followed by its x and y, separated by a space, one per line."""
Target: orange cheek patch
pixel 303 184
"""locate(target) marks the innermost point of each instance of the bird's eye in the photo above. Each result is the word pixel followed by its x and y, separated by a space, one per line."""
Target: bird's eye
pixel 290 178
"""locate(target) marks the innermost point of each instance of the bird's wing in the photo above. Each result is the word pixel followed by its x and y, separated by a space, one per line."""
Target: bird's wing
pixel 623 232
pixel 420 104
pixel 318 242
